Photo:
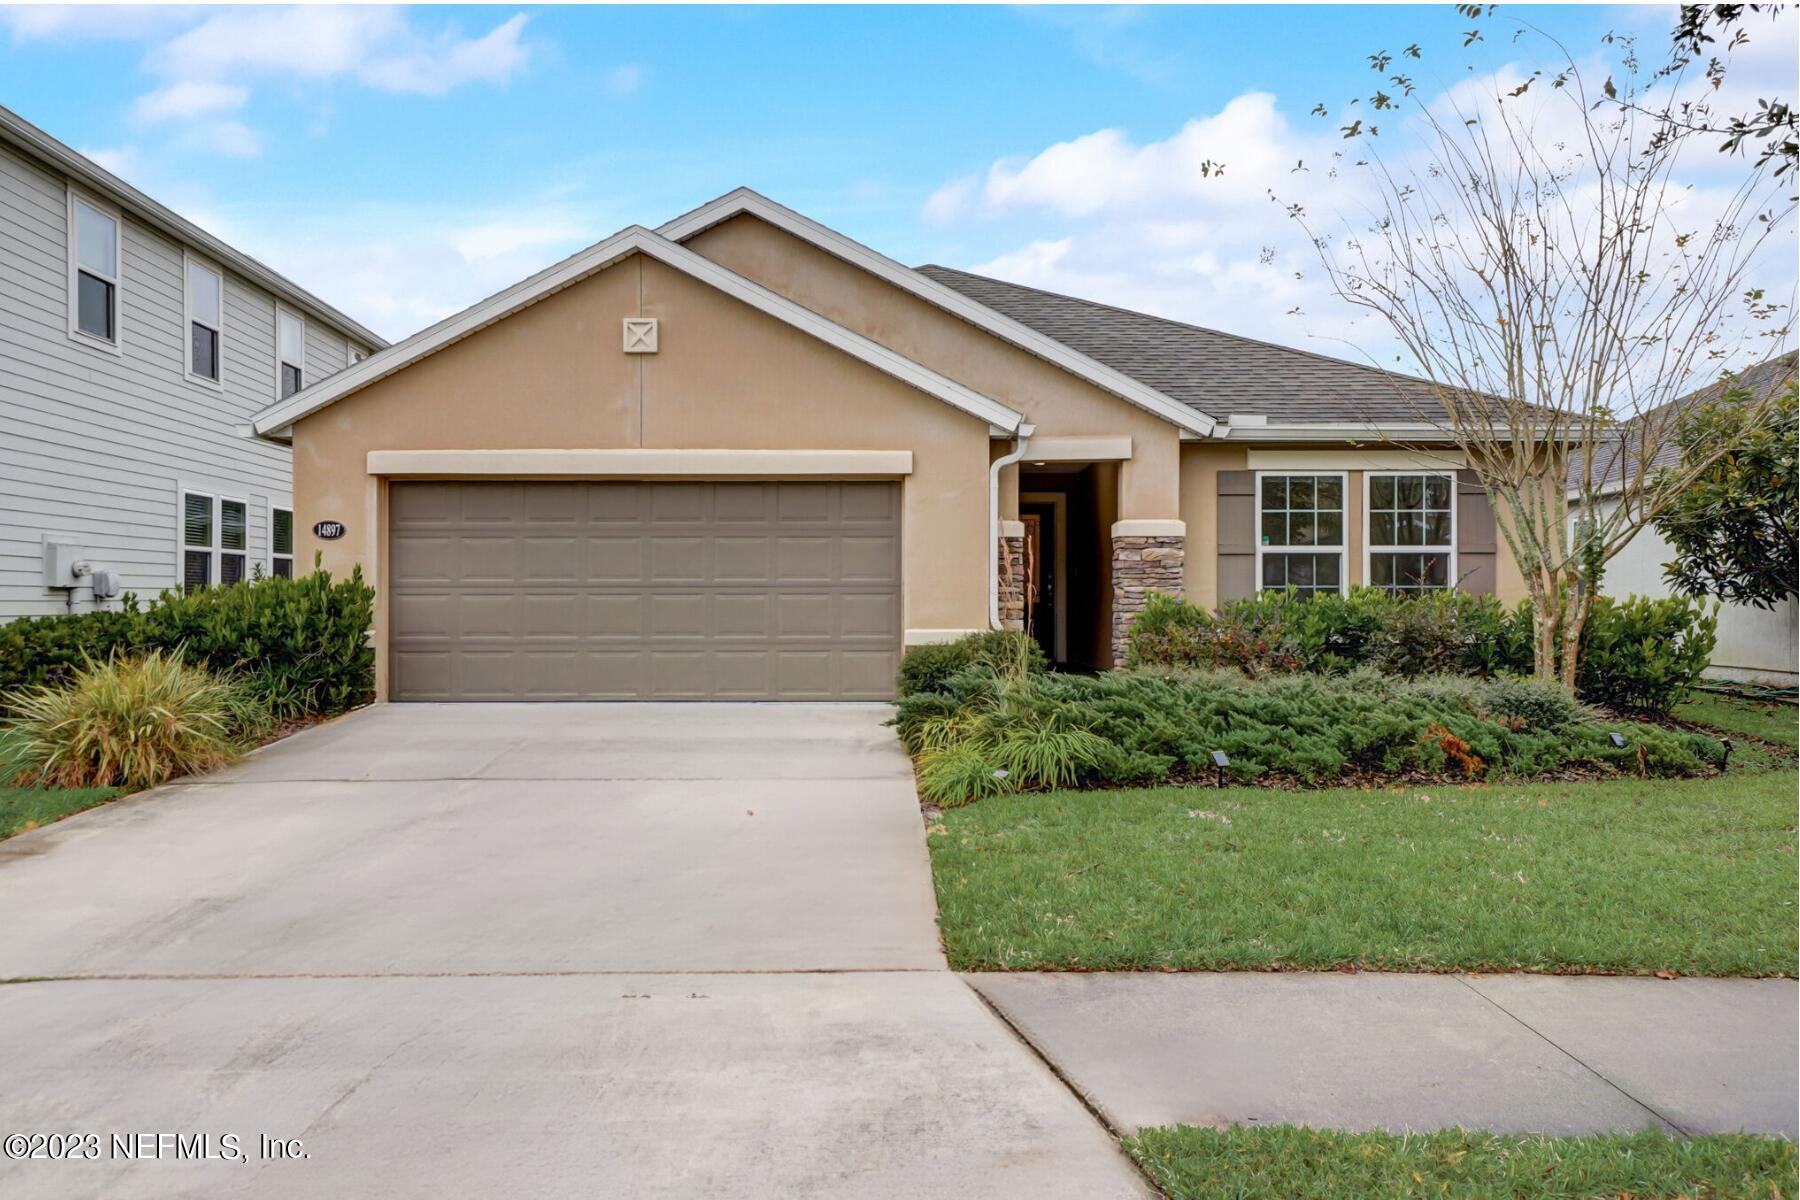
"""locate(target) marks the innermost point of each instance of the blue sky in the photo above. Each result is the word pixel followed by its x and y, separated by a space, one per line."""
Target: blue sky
pixel 405 162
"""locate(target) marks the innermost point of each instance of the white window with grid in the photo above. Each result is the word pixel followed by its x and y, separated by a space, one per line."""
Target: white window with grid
pixel 1300 531
pixel 1410 530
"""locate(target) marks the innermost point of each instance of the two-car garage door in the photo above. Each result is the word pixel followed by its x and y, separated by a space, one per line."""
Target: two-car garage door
pixel 644 590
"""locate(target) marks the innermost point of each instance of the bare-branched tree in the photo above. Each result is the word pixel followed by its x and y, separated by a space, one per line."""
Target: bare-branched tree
pixel 1555 282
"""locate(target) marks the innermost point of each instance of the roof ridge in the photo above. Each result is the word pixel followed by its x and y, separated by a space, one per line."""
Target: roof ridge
pixel 1132 312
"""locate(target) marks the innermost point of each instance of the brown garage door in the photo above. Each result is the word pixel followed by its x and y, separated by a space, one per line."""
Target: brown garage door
pixel 644 591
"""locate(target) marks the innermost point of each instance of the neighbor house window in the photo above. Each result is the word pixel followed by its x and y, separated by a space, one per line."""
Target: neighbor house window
pixel 93 270
pixel 290 353
pixel 215 539
pixel 1412 531
pixel 206 310
pixel 1300 525
pixel 281 542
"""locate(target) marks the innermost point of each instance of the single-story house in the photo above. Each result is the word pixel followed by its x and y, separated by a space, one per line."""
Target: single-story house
pixel 741 456
pixel 1756 645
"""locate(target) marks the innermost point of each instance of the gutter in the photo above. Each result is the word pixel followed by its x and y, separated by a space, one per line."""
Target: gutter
pixel 1021 443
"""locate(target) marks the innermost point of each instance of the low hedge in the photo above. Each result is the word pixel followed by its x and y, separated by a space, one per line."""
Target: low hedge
pixel 300 645
pixel 982 732
pixel 1637 654
pixel 925 668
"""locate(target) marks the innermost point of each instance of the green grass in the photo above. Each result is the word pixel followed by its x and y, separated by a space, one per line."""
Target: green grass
pixel 27 808
pixel 1290 1163
pixel 1768 720
pixel 1694 876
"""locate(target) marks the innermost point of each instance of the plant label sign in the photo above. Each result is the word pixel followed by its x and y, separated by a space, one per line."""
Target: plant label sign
pixel 328 530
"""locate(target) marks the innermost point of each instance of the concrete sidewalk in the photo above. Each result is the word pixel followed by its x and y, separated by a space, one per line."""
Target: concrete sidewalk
pixel 1508 1053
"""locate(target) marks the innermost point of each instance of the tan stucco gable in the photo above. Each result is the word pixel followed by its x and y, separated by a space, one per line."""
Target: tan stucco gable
pixel 1057 402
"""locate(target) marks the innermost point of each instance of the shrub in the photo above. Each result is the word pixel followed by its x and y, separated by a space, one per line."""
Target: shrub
pixel 301 645
pixel 132 722
pixel 925 668
pixel 1642 655
pixel 1436 632
pixel 1138 726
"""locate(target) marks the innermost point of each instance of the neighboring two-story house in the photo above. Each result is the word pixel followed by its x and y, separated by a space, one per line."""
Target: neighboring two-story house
pixel 134 349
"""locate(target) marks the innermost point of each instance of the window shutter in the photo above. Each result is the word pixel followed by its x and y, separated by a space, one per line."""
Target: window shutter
pixel 1237 535
pixel 1476 542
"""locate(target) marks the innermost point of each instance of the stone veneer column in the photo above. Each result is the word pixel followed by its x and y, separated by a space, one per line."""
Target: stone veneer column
pixel 1147 557
pixel 1012 574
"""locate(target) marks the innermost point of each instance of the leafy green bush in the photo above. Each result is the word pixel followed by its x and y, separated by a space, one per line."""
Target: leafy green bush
pixel 1276 631
pixel 1642 655
pixel 1156 725
pixel 301 645
pixel 131 722
pixel 925 668
pixel 1637 655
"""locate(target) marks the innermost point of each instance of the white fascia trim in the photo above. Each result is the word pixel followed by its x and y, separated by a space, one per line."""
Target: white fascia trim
pixel 1172 529
pixel 1369 458
pixel 1337 431
pixel 636 463
pixel 632 240
pixel 934 637
pixel 743 200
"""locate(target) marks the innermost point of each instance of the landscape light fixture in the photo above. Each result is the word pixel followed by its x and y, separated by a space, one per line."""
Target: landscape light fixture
pixel 1618 739
pixel 1220 762
pixel 1726 761
pixel 1000 773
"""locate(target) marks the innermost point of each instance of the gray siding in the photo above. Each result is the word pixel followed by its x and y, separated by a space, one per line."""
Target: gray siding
pixel 96 444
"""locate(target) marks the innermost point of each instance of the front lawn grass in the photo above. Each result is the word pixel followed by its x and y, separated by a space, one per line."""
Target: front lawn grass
pixel 22 809
pixel 1770 720
pixel 1693 876
pixel 1285 1162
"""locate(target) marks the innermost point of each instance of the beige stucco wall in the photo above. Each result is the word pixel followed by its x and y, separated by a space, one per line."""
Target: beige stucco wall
pixel 554 376
pixel 1058 403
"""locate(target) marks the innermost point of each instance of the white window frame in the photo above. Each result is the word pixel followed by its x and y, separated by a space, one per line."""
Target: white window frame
pixel 280 311
pixel 1370 551
pixel 287 508
pixel 116 343
pixel 189 260
pixel 1343 547
pixel 218 498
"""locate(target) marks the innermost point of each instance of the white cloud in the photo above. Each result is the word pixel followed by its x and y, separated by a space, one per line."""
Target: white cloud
pixel 1151 224
pixel 123 161
pixel 86 22
pixel 398 268
pixel 191 98
pixel 624 80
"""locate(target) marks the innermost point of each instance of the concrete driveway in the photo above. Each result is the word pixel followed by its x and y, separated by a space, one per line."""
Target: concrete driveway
pixel 634 950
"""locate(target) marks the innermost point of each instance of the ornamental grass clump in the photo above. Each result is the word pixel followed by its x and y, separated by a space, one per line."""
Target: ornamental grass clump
pixel 131 722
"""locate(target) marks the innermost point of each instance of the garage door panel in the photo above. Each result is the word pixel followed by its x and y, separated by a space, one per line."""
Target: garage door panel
pixel 867 616
pixel 679 560
pixel 547 591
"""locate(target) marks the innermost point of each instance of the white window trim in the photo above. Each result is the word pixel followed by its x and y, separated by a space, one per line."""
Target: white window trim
pixel 115 344
pixel 188 258
pixel 280 310
pixel 1369 551
pixel 1343 549
pixel 287 508
pixel 219 498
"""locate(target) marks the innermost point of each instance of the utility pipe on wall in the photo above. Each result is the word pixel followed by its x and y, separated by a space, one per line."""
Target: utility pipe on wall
pixel 1021 442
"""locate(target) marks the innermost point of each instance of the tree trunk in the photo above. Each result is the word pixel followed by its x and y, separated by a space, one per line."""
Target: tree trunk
pixel 1575 614
pixel 1543 630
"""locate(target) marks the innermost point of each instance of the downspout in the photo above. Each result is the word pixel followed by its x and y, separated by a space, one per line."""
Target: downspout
pixel 1021 441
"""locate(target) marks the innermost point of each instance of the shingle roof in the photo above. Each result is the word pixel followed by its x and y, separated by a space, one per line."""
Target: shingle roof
pixel 1217 373
pixel 1616 458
